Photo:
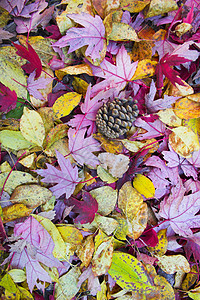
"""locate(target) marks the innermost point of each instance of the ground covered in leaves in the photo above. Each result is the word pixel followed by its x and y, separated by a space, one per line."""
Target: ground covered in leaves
pixel 87 212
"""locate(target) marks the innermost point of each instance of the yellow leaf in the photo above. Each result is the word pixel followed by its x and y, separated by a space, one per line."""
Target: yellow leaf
pixel 74 70
pixel 80 85
pixel 141 50
pixel 122 32
pixel 17 275
pixel 25 294
pixel 15 211
pixel 31 195
pixel 28 161
pixel 173 263
pixel 165 288
pixel 144 186
pixel 101 295
pixel 59 250
pixel 9 72
pixel 67 287
pixel 32 127
pixel 102 257
pixel 184 141
pixel 130 274
pixel 158 7
pixel 106 198
pixel 65 104
pixel 105 176
pixel 134 6
pixel 86 250
pixel 129 201
pixel 145 68
pixel 70 234
pixel 161 248
pixel 186 108
pixel 55 134
pixel 138 223
pixel 168 117
pixel 14 140
pixel 16 178
pixel 108 145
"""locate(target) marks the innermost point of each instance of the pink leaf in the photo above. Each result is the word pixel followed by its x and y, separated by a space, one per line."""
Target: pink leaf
pixel 8 98
pixel 34 85
pixel 86 208
pixel 9 5
pixel 116 76
pixel 30 55
pixel 66 178
pixel 181 210
pixel 92 35
pixel 81 148
pixel 154 129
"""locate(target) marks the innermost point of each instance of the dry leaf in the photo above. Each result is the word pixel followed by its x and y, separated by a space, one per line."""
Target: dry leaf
pixel 116 164
pixel 65 104
pixel 184 141
pixel 15 211
pixel 173 263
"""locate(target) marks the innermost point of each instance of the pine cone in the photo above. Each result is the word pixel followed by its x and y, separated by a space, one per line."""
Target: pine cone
pixel 115 118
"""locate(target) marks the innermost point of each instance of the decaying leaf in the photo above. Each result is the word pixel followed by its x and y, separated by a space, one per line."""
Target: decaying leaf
pixel 116 165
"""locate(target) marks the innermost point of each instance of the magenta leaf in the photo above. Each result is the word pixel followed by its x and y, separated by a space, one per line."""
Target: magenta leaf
pixel 193 247
pixel 30 55
pixel 81 147
pixel 8 98
pixel 66 178
pixel 92 35
pixel 86 208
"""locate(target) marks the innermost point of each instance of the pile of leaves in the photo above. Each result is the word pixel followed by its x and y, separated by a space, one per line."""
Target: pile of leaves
pixel 84 216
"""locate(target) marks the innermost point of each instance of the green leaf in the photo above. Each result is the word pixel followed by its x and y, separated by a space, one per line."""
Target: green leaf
pixel 130 274
pixel 17 112
pixel 14 140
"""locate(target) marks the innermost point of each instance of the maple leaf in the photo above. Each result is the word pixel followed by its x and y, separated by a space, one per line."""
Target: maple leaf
pixel 193 247
pixel 116 76
pixel 30 55
pixel 12 4
pixel 154 129
pixel 181 210
pixel 92 35
pixel 156 105
pixel 161 175
pixel 37 247
pixel 81 148
pixel 66 178
pixel 8 98
pixel 34 85
pixel 164 68
pixel 86 208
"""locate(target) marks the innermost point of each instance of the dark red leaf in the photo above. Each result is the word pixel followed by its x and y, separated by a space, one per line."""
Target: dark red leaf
pixel 8 98
pixel 30 55
pixel 54 29
pixel 86 208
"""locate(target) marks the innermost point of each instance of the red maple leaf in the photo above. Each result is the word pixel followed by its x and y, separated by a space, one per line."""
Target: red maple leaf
pixel 30 55
pixel 164 67
pixel 86 208
pixel 8 98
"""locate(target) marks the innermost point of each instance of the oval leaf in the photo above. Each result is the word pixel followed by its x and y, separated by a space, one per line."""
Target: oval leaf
pixel 144 186
pixel 65 104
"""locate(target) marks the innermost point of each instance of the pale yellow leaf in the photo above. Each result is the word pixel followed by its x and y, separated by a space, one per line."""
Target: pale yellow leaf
pixel 168 117
pixel 32 127
pixel 106 198
pixel 184 141
pixel 173 263
pixel 14 140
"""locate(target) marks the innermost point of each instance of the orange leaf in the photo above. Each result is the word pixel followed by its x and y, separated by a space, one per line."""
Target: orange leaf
pixel 15 211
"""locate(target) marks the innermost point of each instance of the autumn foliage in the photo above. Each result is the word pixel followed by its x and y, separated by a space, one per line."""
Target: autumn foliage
pixel 84 216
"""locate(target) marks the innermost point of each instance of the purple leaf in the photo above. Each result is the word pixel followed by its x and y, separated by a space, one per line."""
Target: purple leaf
pixel 8 98
pixel 81 148
pixel 34 85
pixel 66 178
pixel 92 35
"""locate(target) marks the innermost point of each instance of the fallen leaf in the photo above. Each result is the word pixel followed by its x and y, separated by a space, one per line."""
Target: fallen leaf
pixel 102 257
pixel 15 211
pixel 14 140
pixel 144 186
pixel 65 104
pixel 183 141
pixel 116 164
pixel 156 8
pixel 173 263
pixel 106 198
pixel 186 108
pixel 134 6
pixel 32 127
pixel 122 32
